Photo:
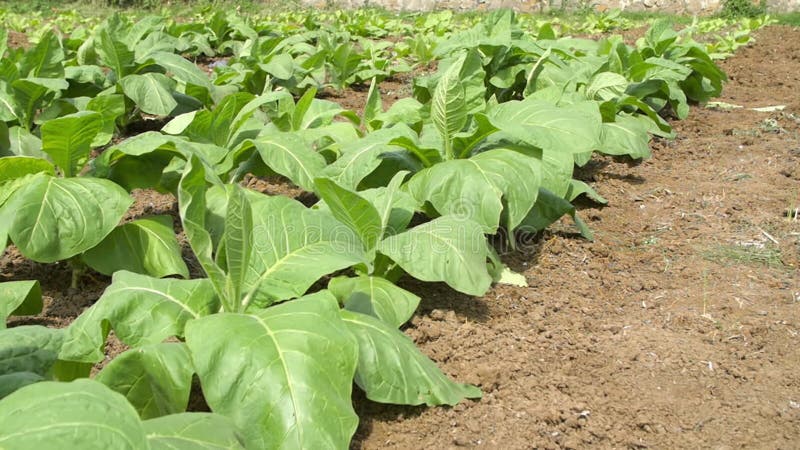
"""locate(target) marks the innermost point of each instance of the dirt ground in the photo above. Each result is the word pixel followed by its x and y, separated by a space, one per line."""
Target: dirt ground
pixel 678 327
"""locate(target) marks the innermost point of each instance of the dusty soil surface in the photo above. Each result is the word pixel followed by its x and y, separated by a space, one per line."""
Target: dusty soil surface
pixel 678 327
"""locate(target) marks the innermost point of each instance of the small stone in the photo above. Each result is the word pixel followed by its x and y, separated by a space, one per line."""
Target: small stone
pixel 437 314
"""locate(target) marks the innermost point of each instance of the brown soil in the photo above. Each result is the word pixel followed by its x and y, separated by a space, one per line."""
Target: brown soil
pixel 678 327
pixel 17 40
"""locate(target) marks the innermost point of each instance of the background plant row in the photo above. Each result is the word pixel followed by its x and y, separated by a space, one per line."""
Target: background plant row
pixel 503 108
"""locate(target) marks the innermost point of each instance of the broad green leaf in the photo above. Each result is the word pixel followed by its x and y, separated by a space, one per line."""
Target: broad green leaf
pixel 156 379
pixel 179 123
pixel 219 125
pixel 627 135
pixel 141 310
pixel 557 168
pixel 152 92
pixel 405 110
pixel 8 112
pixel 280 66
pixel 448 249
pixel 293 247
pixel 606 86
pixel 283 374
pixel 192 431
pixel 374 105
pixel 476 187
pixel 236 245
pixel 19 298
pixel 449 106
pixel 45 60
pixel 289 155
pixel 29 348
pixel 5 220
pixel 3 42
pixel 660 35
pixel 192 204
pixel 82 414
pixel 571 129
pixel 110 108
pixel 13 381
pixel 147 246
pixel 392 370
pixel 31 94
pixel 360 158
pixel 113 52
pixel 14 167
pixel 23 143
pixel 375 296
pixel 67 139
pixel 181 69
pixel 548 208
pixel 352 210
pixel 395 207
pixel 577 187
pixel 57 218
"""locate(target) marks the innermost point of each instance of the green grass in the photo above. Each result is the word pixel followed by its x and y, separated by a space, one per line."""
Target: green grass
pixel 788 18
pixel 767 256
pixel 95 8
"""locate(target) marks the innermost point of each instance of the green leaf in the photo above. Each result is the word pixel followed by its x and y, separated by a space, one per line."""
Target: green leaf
pixel 448 249
pixel 46 60
pixel 361 157
pixel 352 210
pixel 475 188
pixel 559 128
pixel 237 243
pixel 29 348
pixel 577 188
pixel 392 370
pixel 284 374
pixel 156 379
pixel 141 310
pixel 110 108
pixel 395 207
pixel 627 135
pixel 182 69
pixel 3 42
pixel 549 208
pixel 113 52
pixel 83 414
pixel 374 105
pixel 19 298
pixel 289 155
pixel 375 296
pixel 14 167
pixel 152 92
pixel 192 431
pixel 67 139
pixel 147 246
pixel 449 105
pixel 23 143
pixel 13 381
pixel 32 93
pixel 57 218
pixel 293 247
pixel 606 86
pixel 192 203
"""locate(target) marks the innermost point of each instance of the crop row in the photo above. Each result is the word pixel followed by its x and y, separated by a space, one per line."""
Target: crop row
pixel 486 145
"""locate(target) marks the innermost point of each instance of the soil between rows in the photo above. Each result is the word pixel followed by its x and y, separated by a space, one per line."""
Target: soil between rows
pixel 678 327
